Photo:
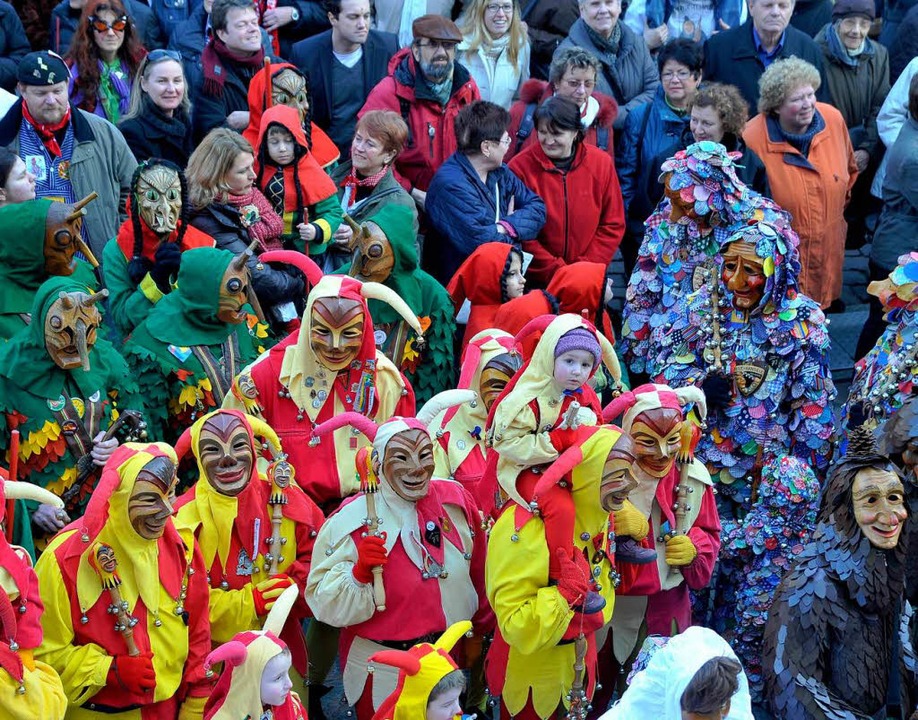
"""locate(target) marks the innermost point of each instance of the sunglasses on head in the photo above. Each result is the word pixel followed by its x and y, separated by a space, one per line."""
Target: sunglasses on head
pixel 158 55
pixel 100 25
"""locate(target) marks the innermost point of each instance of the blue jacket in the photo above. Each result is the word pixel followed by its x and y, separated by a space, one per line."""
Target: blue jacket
pixel 463 211
pixel 663 132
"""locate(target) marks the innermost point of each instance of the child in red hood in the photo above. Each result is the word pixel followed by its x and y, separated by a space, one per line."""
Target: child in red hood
pixel 294 183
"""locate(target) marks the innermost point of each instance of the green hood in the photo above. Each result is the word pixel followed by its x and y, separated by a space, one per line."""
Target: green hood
pixel 22 262
pixel 188 315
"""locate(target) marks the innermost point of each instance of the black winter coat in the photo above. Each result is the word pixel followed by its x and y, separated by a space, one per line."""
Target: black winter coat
pixel 14 45
pixel 811 16
pixel 210 111
pixel 153 135
pixel 904 48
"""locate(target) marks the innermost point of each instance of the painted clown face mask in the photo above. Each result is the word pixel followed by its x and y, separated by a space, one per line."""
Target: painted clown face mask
pixel 227 454
pixel 617 478
pixel 408 464
pixel 150 506
pixel 233 295
pixel 495 375
pixel 159 198
pixel 743 275
pixel 879 506
pixel 336 328
pixel 373 257
pixel 656 436
pixel 288 87
pixel 70 329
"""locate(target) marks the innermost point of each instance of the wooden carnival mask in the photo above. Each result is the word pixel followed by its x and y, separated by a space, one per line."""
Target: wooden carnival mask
pixel 226 453
pixel 158 196
pixel 657 439
pixel 70 328
pixel 372 256
pixel 617 479
pixel 878 499
pixel 743 275
pixel 288 87
pixel 234 292
pixel 336 331
pixel 408 464
pixel 150 505
pixel 495 375
pixel 63 240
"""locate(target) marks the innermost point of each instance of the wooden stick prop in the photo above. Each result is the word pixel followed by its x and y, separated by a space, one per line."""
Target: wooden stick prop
pixel 715 324
pixel 570 420
pixel 690 435
pixel 279 473
pixel 579 704
pixel 369 485
pixel 102 558
pixel 14 470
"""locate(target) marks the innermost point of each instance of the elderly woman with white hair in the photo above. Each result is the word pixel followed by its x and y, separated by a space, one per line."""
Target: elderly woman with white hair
pixel 811 168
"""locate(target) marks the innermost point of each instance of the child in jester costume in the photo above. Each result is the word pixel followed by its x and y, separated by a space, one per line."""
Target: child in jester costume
pixel 385 252
pixel 195 340
pixel 47 239
pixel 63 388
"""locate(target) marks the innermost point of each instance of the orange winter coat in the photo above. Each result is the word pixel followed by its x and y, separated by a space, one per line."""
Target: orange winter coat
pixel 815 190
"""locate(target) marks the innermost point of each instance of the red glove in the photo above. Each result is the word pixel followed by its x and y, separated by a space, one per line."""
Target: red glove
pixel 371 551
pixel 573 577
pixel 586 624
pixel 134 674
pixel 267 591
pixel 561 440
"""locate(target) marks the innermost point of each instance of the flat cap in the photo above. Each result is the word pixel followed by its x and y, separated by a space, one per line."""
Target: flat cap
pixel 436 27
pixel 42 68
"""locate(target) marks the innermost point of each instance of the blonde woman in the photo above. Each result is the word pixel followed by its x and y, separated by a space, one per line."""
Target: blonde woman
pixel 495 49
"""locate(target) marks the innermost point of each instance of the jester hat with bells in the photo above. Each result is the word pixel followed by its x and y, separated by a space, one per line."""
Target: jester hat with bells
pixel 237 693
pixel 215 514
pixel 34 694
pixel 409 518
pixel 535 382
pixel 300 361
pixel 420 669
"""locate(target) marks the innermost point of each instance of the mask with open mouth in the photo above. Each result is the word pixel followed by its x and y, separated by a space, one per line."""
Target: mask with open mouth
pixel 336 328
pixel 150 505
pixel 289 87
pixel 158 195
pixel 408 464
pixel 226 453
pixel 617 478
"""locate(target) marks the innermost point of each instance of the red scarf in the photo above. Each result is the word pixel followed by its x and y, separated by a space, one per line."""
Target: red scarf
pixel 46 132
pixel 215 55
pixel 352 182
pixel 269 226
pixel 193 238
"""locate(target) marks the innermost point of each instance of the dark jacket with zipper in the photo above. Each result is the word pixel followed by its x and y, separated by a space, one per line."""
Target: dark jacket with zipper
pixel 153 135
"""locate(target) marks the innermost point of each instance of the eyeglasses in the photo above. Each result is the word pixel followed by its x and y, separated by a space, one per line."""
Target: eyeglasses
pixel 160 55
pixel 494 8
pixel 447 45
pixel 503 142
pixel 681 75
pixel 101 26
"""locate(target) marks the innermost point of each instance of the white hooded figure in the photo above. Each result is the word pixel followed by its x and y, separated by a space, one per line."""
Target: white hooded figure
pixel 657 690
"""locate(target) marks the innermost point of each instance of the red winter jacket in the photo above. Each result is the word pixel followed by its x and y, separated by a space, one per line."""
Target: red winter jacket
pixel 431 138
pixel 537 91
pixel 585 214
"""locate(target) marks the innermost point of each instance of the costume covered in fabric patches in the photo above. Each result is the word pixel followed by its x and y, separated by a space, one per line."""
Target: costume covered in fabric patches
pixel 830 647
pixel 531 661
pixel 431 545
pixel 289 86
pixel 187 352
pixel 489 362
pixel 255 682
pixel 760 550
pixel 48 238
pixel 329 366
pixel 141 263
pixel 481 280
pixel 126 551
pixel 255 533
pixel 420 669
pixel 386 253
pixel 885 377
pixel 677 499
pixel 656 691
pixel 29 688
pixel 760 351
pixel 704 200
pixel 299 191
pixel 62 387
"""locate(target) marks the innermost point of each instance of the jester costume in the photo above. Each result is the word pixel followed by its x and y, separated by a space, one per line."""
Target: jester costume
pixel 675 251
pixel 761 549
pixel 163 582
pixel 775 358
pixel 183 356
pixel 235 531
pixel 884 378
pixel 29 689
pixel 434 551
pixel 293 389
pixel 429 368
pixel 24 262
pixel 59 412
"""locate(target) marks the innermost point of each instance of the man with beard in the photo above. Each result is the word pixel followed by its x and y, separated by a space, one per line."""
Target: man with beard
pixel 831 647
pixel 429 88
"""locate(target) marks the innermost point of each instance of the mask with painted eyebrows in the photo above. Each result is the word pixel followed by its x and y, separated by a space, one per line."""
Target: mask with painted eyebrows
pixel 150 505
pixel 226 453
pixel 336 327
pixel 288 87
pixel 656 436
